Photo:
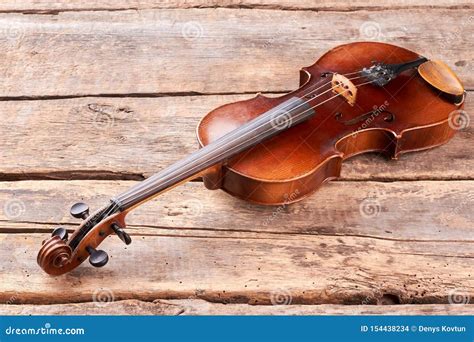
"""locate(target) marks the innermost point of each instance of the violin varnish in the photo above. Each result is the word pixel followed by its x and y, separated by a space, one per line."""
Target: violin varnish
pixel 440 76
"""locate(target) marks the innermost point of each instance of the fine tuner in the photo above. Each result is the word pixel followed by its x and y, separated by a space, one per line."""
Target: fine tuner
pixel 279 150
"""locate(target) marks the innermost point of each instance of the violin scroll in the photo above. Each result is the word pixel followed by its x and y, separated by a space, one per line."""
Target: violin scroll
pixel 60 254
pixel 54 253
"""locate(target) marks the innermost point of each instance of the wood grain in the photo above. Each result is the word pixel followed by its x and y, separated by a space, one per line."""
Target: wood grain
pixel 401 211
pixel 132 138
pixel 31 6
pixel 418 249
pixel 86 83
pixel 248 268
pixel 122 307
pixel 200 307
pixel 173 51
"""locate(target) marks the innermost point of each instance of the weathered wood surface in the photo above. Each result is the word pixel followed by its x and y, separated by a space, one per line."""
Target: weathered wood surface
pixel 68 5
pixel 251 255
pixel 46 6
pixel 387 233
pixel 122 307
pixel 88 138
pixel 200 307
pixel 257 268
pixel 430 211
pixel 150 52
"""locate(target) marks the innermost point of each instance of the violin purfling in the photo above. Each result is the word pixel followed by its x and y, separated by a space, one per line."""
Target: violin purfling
pixel 357 98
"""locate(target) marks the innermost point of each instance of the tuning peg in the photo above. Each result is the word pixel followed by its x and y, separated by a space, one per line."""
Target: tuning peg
pixel 121 233
pixel 97 258
pixel 61 232
pixel 80 210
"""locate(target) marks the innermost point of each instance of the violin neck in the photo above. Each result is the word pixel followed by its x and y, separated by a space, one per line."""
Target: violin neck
pixel 286 115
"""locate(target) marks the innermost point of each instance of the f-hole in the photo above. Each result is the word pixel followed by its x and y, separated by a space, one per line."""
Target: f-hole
pixel 389 117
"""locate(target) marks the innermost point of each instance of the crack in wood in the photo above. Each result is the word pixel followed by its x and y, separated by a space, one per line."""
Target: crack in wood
pixel 223 231
pixel 438 255
pixel 270 7
pixel 136 95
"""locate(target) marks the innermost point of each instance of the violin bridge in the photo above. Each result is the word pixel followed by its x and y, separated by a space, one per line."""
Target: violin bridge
pixel 341 85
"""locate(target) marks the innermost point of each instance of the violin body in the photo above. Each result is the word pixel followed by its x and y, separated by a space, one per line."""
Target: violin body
pixel 359 97
pixel 411 115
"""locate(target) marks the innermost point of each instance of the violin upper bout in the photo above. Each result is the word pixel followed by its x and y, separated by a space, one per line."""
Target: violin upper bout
pixel 441 77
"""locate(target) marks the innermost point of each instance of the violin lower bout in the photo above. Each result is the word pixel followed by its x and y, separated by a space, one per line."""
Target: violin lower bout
pixel 284 169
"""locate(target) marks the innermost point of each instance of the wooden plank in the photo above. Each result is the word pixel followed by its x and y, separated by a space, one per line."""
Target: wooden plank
pixel 400 211
pixel 251 268
pixel 132 138
pixel 200 307
pixel 33 6
pixel 122 307
pixel 204 50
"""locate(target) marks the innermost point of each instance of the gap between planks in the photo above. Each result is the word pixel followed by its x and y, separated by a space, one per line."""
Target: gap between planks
pixel 193 210
pixel 143 126
pixel 56 7
pixel 58 50
pixel 214 233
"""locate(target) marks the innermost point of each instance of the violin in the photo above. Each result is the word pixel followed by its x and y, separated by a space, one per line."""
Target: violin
pixel 357 98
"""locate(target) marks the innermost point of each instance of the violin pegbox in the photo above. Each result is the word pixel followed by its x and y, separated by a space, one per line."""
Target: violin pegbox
pixel 60 253
pixel 341 85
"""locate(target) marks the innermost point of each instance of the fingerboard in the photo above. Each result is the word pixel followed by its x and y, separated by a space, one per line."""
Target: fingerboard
pixel 280 118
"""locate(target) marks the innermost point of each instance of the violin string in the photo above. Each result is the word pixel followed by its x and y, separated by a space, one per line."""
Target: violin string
pixel 235 132
pixel 116 204
pixel 131 195
pixel 127 195
pixel 131 192
pixel 150 187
